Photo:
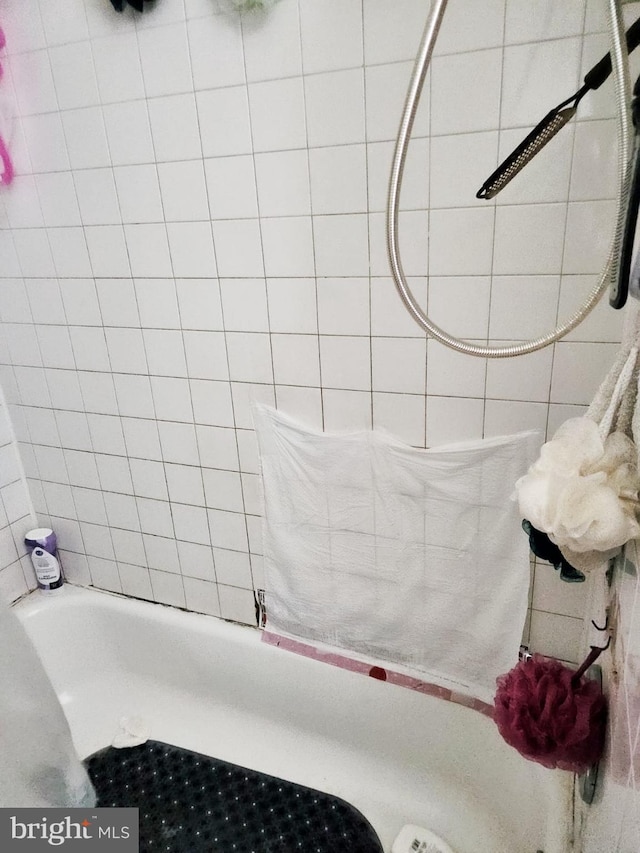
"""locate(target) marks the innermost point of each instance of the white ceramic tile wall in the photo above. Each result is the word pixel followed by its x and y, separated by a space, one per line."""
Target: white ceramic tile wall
pixel 198 221
pixel 16 515
pixel 612 823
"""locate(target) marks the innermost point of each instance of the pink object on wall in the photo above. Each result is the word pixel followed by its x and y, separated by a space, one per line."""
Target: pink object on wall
pixel 7 166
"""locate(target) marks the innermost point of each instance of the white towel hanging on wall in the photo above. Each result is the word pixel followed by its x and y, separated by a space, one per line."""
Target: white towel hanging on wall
pixel 414 557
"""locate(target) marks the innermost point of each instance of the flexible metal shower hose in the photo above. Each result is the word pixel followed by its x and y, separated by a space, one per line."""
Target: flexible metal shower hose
pixel 623 98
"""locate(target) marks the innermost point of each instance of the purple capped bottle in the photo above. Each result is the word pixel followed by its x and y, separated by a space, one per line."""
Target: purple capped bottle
pixel 42 546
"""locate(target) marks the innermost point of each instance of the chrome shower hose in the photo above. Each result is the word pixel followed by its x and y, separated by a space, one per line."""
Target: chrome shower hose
pixel 618 50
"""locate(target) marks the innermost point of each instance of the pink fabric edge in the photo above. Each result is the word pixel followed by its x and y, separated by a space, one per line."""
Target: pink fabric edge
pixel 5 157
pixel 375 671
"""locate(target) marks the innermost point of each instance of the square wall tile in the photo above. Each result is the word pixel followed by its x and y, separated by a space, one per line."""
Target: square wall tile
pixel 475 105
pixel 118 70
pixel 277 115
pixel 341 245
pixel 392 34
pixel 185 484
pixel 134 396
pixel 135 581
pixel 244 395
pixel 388 314
pixel 184 192
pixel 196 561
pixel 178 443
pixel 529 239
pixel 525 23
pixel 283 183
pixel 238 605
pixel 232 187
pixel 523 307
pixel 155 520
pixel 399 364
pixel 97 198
pixel 403 415
pixel 199 303
pixel 215 46
pixel 190 523
pixel 174 127
pixel 453 374
pixel 343 306
pixel 460 304
pixel 74 75
pixel 386 89
pixel 148 479
pixel 578 370
pixel 287 245
pixel 141 437
pixel 157 303
pixel 238 246
pixel 325 46
pixel 296 359
pixel 452 419
pixel 468 26
pixel 556 636
pixel 459 164
pixel 206 355
pixel 128 131
pixel 527 377
pixel 303 404
pixel 292 305
pixel 345 363
pixel 224 121
pixel 244 302
pixel 338 179
pixel 118 305
pixel 249 357
pixel 139 193
pixel 148 249
pixel 261 60
pixel 211 402
pixel 233 568
pixel 529 85
pixel 126 350
pixel 454 228
pixel 504 417
pixel 164 55
pixel 89 348
pixel 346 410
pixel 191 246
pixel 586 241
pixel 218 448
pixel 172 399
pixel 228 530
pixel 107 251
pixel 335 107
pixel 165 352
pixel 201 596
pixel 167 588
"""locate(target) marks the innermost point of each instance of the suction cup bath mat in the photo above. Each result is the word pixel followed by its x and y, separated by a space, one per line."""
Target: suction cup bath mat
pixel 190 803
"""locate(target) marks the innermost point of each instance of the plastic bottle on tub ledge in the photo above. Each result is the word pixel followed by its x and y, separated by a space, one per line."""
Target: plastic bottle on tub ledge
pixel 42 545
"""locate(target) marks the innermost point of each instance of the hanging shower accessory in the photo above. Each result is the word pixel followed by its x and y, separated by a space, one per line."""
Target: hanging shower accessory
pixel 609 274
pixel 552 123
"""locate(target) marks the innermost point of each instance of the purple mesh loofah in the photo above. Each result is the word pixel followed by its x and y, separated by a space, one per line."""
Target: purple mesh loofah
pixel 549 716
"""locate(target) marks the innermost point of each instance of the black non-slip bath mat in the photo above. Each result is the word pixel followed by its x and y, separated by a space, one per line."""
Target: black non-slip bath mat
pixel 190 803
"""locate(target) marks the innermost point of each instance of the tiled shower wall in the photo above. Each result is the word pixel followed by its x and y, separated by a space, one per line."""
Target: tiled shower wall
pixel 16 515
pixel 198 221
pixel 612 823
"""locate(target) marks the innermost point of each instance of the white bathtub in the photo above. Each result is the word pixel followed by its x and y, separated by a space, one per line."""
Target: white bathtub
pixel 210 686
